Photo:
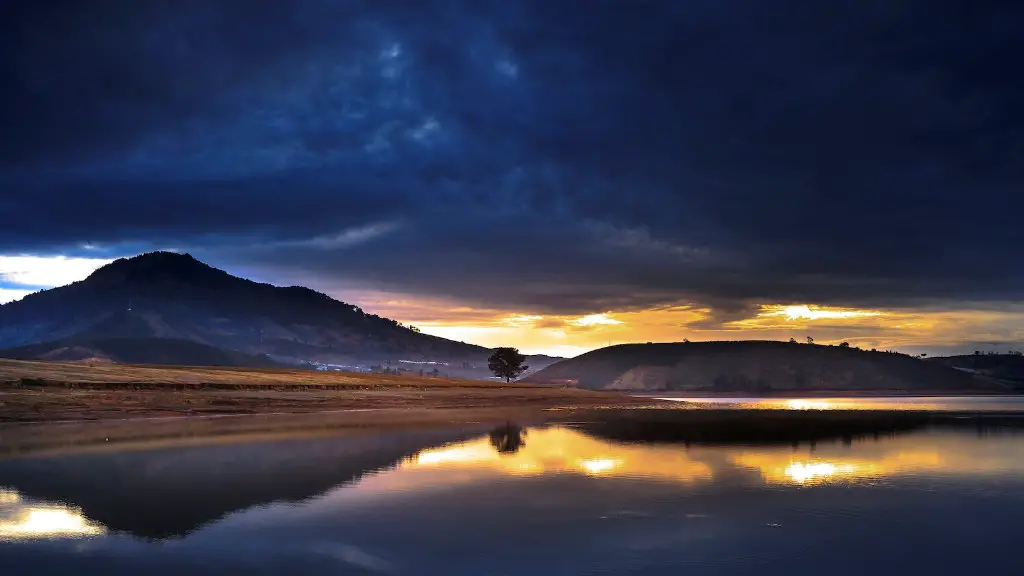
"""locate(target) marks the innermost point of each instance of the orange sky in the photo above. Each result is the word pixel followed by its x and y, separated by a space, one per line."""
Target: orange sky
pixel 997 326
pixel 912 331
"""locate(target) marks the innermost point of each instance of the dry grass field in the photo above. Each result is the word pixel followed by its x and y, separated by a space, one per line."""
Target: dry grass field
pixel 105 375
pixel 53 391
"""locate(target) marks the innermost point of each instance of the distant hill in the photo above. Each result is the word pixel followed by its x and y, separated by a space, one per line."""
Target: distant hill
pixel 755 367
pixel 1008 368
pixel 150 305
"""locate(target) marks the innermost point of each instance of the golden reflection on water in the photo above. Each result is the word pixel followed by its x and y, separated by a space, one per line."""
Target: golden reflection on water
pixel 798 404
pixel 25 520
pixel 560 450
pixel 807 468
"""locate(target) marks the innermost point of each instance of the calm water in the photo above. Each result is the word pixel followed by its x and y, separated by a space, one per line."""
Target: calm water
pixel 555 500
pixel 945 403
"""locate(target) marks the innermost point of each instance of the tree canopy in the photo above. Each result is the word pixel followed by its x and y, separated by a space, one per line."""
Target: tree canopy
pixel 507 363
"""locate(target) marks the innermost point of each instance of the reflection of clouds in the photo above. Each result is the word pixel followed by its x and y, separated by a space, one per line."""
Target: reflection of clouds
pixel 562 450
pixel 24 520
pixel 937 456
pixel 808 405
pixel 600 465
pixel 567 451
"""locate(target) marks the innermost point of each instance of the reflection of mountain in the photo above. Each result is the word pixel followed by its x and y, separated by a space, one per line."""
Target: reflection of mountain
pixel 762 427
pixel 172 491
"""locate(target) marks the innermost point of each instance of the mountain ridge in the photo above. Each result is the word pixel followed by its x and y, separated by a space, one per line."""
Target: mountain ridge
pixel 166 296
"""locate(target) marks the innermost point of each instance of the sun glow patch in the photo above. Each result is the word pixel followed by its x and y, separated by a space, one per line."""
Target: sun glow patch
pixel 12 294
pixel 595 320
pixel 47 271
pixel 816 313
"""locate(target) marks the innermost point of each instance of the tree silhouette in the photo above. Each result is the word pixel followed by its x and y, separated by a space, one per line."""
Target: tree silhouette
pixel 507 363
pixel 810 340
pixel 792 340
pixel 508 439
pixel 844 344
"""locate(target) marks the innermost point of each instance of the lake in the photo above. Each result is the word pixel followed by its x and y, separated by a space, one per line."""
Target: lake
pixel 945 403
pixel 576 498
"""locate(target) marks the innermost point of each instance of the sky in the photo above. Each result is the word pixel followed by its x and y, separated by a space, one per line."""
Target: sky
pixel 536 173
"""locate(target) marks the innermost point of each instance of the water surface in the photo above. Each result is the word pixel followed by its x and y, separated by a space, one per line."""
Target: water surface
pixel 552 500
pixel 931 403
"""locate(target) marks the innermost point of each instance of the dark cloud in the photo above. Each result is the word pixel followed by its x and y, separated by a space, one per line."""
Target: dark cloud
pixel 534 153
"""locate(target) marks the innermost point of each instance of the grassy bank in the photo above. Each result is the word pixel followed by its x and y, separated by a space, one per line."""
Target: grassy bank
pixel 48 391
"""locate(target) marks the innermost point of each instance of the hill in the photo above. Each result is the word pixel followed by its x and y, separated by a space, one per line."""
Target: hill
pixel 163 299
pixel 756 368
pixel 1008 368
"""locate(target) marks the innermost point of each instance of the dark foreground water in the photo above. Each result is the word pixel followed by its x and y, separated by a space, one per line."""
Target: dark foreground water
pixel 559 500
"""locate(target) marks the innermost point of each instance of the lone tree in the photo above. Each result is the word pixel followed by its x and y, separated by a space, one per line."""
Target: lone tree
pixel 507 363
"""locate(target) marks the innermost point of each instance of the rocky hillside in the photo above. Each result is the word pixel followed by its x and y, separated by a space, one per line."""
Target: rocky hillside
pixel 755 367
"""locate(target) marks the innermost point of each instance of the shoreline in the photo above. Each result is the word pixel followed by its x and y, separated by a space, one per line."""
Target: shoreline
pixel 53 437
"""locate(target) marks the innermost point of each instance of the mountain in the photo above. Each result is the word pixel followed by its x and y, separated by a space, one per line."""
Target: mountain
pixel 164 307
pixel 1008 368
pixel 756 367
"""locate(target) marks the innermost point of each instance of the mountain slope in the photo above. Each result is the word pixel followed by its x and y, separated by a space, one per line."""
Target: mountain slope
pixel 174 297
pixel 1005 367
pixel 754 367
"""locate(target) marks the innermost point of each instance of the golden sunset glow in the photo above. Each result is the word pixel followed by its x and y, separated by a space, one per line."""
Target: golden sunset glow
pixel 815 313
pixel 568 335
pixel 522 320
pixel 807 468
pixel 562 450
pixel 22 520
pixel 799 404
pixel 595 320
pixel 600 465
pixel 552 451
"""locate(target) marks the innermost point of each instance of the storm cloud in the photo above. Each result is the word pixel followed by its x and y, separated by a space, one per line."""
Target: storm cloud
pixel 551 155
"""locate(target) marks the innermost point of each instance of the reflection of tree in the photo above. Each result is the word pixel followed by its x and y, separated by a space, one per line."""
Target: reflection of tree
pixel 508 439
